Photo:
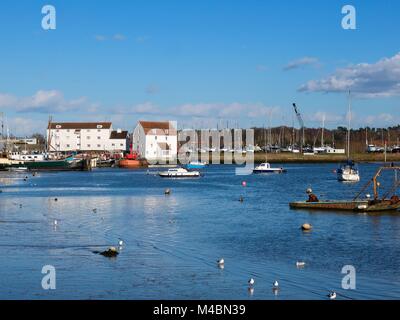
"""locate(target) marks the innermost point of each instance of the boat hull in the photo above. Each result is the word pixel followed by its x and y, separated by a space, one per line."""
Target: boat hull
pixel 50 165
pixel 363 206
pixel 132 164
pixel 180 176
pixel 276 170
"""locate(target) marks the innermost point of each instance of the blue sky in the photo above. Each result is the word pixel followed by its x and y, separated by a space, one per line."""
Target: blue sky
pixel 198 62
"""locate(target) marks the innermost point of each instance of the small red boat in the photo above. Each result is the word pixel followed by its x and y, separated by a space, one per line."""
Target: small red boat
pixel 132 161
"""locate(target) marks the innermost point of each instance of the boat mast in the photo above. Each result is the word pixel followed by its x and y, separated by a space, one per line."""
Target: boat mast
pixel 348 128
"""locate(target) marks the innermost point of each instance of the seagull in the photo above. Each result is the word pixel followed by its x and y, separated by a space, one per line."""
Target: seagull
pixel 121 242
pixel 55 222
pixel 276 284
pixel 251 282
pixel 94 210
pixel 300 264
pixel 221 261
pixel 332 295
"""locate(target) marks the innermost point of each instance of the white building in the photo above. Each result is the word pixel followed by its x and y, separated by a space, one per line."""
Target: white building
pixel 85 136
pixel 155 141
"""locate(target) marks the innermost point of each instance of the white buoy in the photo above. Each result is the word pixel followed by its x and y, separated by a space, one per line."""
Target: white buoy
pixel 55 222
pixel 251 282
pixel 332 295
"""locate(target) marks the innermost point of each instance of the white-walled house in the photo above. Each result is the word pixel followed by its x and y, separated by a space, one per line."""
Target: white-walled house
pixel 155 141
pixel 85 136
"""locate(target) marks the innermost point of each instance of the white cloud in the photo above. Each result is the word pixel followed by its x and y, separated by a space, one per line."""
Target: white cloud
pixel 43 101
pixel 380 79
pixel 305 61
pixel 146 108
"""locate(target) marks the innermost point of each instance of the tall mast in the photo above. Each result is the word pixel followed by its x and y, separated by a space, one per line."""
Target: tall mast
pixel 323 129
pixel 348 128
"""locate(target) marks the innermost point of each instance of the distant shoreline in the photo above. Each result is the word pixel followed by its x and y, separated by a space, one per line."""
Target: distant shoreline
pixel 260 157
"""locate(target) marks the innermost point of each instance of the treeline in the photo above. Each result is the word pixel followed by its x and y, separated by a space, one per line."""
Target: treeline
pixel 285 136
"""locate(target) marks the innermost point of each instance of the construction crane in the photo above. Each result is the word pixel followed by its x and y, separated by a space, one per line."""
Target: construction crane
pixel 301 123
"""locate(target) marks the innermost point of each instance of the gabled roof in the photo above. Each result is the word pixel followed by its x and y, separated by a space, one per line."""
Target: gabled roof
pixel 158 127
pixel 79 125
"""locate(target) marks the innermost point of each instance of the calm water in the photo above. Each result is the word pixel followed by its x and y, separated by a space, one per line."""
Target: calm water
pixel 172 242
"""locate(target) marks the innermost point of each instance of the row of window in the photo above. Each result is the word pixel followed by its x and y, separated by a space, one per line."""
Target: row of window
pixel 89 145
pixel 88 130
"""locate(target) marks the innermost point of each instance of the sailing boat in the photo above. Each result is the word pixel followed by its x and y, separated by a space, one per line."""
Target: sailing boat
pixel 348 170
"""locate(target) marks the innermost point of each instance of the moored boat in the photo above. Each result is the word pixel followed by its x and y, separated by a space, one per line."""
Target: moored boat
pixel 266 168
pixel 348 172
pixel 196 165
pixel 179 173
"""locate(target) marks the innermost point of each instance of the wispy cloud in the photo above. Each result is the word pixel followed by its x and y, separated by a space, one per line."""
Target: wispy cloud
pixel 305 61
pixel 100 37
pixel 119 37
pixel 115 37
pixel 380 79
pixel 152 89
pixel 45 101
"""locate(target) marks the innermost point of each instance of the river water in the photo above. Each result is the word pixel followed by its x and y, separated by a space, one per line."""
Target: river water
pixel 172 243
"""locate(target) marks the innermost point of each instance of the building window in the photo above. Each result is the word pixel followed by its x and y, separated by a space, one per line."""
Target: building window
pixel 166 138
pixel 67 130
pixel 121 144
pixel 88 145
pixel 113 144
pixel 68 145
pixel 98 130
pixel 155 137
pixel 98 138
pixel 88 137
pixel 98 146
pixel 88 130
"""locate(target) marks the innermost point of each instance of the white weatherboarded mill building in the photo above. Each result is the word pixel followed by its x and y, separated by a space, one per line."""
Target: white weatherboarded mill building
pixel 156 141
pixel 85 136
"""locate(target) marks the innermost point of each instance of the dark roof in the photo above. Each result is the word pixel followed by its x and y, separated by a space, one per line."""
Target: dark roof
pixel 118 135
pixel 79 125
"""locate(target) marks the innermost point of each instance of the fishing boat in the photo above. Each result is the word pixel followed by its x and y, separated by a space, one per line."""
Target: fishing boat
pixel 68 164
pixel 387 202
pixel 266 168
pixel 348 170
pixel 179 173
pixel 196 165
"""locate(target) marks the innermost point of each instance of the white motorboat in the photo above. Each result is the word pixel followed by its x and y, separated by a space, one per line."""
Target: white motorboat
pixel 179 173
pixel 266 168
